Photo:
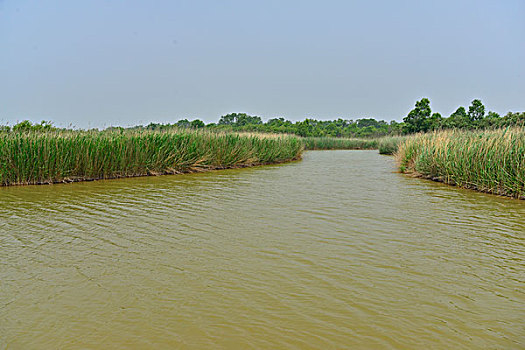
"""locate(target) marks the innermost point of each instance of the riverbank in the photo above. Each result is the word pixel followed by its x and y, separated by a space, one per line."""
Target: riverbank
pixel 487 161
pixel 40 156
pixel 69 156
pixel 333 143
pixel 386 145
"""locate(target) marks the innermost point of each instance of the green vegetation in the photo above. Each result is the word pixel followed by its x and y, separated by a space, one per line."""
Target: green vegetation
pixel 241 122
pixel 388 145
pixel 366 127
pixel 326 143
pixel 420 119
pixel 34 157
pixel 490 161
pixel 470 148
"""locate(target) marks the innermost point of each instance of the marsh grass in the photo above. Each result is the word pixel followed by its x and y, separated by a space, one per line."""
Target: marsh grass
pixel 64 156
pixel 488 161
pixel 332 143
pixel 389 144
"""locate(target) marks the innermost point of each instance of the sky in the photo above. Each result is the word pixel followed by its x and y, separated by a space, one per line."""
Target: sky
pixel 105 63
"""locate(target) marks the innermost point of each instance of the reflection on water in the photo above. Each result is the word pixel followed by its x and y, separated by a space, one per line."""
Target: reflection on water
pixel 335 251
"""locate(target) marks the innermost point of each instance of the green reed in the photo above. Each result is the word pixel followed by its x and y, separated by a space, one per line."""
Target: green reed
pixel 331 143
pixel 489 161
pixel 61 156
pixel 389 144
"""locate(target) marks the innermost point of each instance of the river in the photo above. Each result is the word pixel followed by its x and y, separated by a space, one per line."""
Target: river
pixel 334 251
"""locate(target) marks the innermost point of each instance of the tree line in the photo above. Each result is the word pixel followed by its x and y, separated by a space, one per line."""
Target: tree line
pixel 419 119
pixel 367 127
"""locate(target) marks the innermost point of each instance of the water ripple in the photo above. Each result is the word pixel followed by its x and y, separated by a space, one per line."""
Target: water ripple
pixel 336 251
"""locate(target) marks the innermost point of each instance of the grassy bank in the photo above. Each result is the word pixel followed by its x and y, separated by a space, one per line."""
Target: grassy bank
pixel 385 145
pixel 488 161
pixel 331 143
pixel 389 145
pixel 62 156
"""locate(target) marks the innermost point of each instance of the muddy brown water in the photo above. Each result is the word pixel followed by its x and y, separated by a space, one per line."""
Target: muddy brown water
pixel 334 251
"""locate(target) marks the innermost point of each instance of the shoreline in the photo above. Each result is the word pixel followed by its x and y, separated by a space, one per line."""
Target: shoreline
pixel 191 170
pixel 416 175
pixel 486 161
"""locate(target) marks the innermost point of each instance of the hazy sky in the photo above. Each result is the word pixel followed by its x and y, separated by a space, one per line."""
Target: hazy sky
pixel 100 63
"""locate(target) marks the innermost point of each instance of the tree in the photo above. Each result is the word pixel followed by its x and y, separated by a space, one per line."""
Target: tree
pixel 276 122
pixel 25 125
pixel 240 119
pixel 513 118
pixel 183 123
pixel 476 111
pixel 196 124
pixel 227 119
pixel 363 123
pixel 304 128
pixel 395 128
pixel 418 118
pixel 457 120
pixel 435 121
pixel 492 119
pixel 243 119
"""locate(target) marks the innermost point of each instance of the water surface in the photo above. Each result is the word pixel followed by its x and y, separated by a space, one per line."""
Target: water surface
pixel 335 251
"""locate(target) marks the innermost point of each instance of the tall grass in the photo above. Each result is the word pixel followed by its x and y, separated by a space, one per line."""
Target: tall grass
pixel 47 157
pixel 488 161
pixel 389 144
pixel 331 143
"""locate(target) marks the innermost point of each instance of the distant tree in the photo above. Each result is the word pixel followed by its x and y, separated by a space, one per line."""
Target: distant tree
pixel 153 126
pixel 395 128
pixel 341 123
pixel 275 122
pixel 243 119
pixel 435 121
pixel 227 119
pixel 44 126
pixel 183 123
pixel 418 118
pixel 492 119
pixel 492 115
pixel 25 125
pixel 239 119
pixel 512 118
pixel 197 124
pixel 363 123
pixel 367 131
pixel 459 119
pixel 305 128
pixel 476 111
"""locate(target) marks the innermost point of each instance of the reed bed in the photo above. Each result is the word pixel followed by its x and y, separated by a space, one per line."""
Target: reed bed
pixel 488 161
pixel 65 156
pixel 332 143
pixel 389 144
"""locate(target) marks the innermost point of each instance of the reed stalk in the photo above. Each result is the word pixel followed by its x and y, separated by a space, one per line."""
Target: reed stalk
pixel 64 156
pixel 490 161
